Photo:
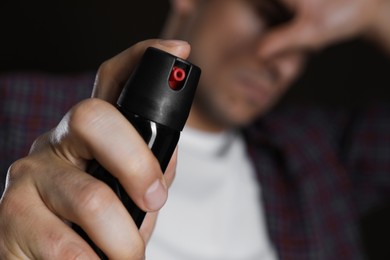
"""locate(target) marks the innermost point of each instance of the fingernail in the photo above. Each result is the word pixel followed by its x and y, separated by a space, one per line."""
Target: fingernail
pixel 155 196
pixel 172 43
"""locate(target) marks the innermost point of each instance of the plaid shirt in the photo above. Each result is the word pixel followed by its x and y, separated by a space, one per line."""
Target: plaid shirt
pixel 319 170
pixel 31 104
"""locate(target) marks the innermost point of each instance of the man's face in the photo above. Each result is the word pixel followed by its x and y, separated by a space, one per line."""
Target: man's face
pixel 236 85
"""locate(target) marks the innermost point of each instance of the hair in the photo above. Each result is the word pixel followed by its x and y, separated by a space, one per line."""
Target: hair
pixel 273 12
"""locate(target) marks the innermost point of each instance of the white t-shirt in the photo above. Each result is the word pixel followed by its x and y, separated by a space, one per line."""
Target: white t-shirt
pixel 213 211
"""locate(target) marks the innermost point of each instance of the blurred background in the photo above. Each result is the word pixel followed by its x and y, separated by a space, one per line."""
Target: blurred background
pixel 76 36
pixel 73 37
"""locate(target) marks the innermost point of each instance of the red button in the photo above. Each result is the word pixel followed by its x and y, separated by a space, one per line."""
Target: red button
pixel 176 79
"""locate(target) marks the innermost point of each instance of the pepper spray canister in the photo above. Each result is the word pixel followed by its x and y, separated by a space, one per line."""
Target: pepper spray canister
pixel 156 100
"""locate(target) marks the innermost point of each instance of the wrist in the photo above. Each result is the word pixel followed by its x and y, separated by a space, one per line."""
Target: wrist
pixel 379 30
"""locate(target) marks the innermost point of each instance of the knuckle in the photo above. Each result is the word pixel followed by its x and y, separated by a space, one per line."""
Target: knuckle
pixel 106 69
pixel 40 143
pixel 18 169
pixel 146 165
pixel 94 199
pixel 73 254
pixel 87 114
pixel 137 251
pixel 58 246
pixel 85 110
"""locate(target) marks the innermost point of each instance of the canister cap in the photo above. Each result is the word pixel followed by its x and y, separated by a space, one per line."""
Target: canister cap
pixel 149 92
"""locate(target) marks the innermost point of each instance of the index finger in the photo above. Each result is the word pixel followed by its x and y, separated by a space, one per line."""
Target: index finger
pixel 114 73
pixel 298 35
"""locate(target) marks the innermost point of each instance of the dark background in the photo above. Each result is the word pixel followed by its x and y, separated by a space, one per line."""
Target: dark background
pixel 73 35
pixel 76 36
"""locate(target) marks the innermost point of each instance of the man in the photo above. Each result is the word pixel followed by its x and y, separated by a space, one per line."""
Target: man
pixel 303 208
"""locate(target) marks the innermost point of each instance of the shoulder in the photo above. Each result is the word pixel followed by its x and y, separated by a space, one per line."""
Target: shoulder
pixel 340 128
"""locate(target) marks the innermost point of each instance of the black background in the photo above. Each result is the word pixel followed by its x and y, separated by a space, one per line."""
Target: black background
pixel 75 36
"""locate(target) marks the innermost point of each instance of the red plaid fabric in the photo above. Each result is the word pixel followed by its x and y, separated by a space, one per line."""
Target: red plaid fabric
pixel 319 169
pixel 320 172
pixel 31 104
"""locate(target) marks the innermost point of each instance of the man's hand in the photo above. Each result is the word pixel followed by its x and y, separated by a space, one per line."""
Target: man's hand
pixel 50 188
pixel 318 23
